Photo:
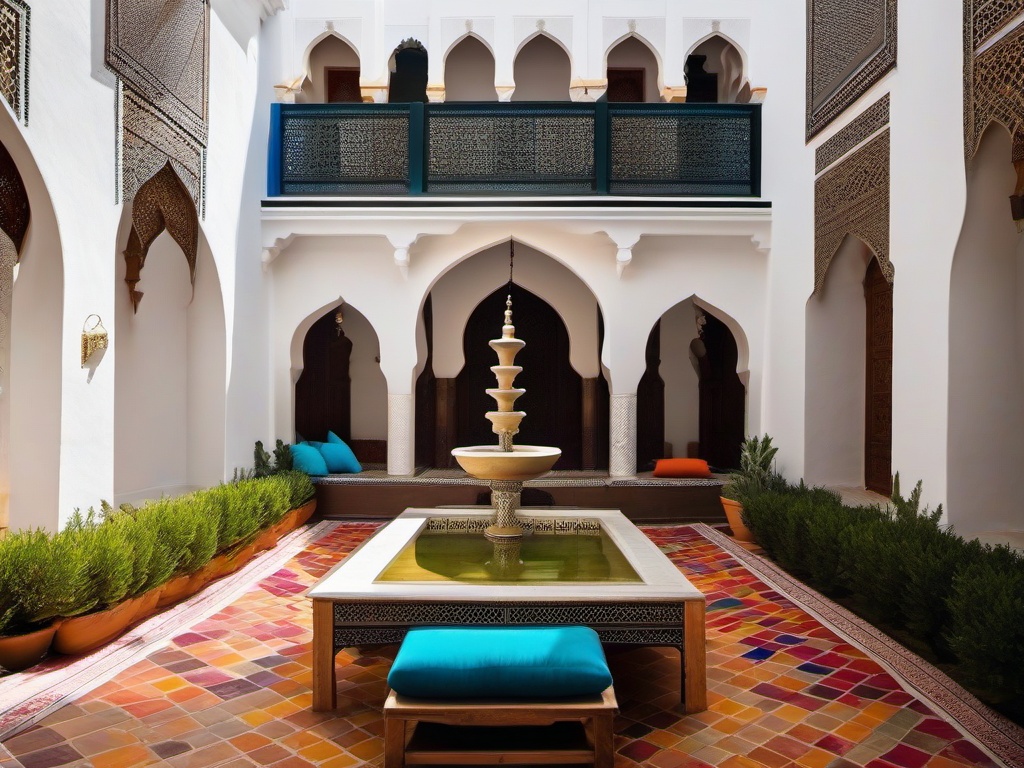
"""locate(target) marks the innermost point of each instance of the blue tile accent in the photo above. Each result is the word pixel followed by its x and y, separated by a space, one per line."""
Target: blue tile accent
pixel 758 654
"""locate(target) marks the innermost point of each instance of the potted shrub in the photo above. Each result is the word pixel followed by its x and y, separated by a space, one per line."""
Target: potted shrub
pixel 755 476
pixel 40 580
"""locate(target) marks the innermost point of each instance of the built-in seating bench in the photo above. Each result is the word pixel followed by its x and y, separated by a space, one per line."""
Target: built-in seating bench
pixel 497 695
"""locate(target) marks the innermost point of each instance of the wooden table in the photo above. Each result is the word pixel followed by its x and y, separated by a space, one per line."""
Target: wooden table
pixel 352 608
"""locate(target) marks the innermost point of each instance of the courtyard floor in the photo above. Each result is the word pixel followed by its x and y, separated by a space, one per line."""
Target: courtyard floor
pixel 224 680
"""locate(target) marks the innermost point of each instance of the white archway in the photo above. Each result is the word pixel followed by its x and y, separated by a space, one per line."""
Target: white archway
pixel 728 60
pixel 469 70
pixel 328 50
pixel 542 70
pixel 632 51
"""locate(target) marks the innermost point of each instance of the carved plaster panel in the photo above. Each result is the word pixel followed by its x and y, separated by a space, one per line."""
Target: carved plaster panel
pixel 871 120
pixel 850 45
pixel 14 47
pixel 989 16
pixel 993 82
pixel 14 207
pixel 853 198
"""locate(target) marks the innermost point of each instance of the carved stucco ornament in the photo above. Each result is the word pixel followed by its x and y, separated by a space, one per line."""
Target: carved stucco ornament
pixel 162 203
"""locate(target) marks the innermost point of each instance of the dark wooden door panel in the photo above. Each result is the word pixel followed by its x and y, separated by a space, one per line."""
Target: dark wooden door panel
pixel 878 382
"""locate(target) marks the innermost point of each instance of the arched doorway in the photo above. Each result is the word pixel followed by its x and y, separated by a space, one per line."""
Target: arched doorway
pixel 469 72
pixel 541 71
pixel 986 371
pixel 408 67
pixel 849 373
pixel 333 73
pixel 554 413
pixel 632 73
pixel 341 388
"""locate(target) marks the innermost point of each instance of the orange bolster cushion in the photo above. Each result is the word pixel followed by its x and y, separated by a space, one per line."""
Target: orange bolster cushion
pixel 681 468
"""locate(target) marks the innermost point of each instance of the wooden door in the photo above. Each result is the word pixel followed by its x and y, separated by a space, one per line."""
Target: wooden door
pixel 554 391
pixel 650 406
pixel 722 409
pixel 625 84
pixel 323 391
pixel 878 382
pixel 342 85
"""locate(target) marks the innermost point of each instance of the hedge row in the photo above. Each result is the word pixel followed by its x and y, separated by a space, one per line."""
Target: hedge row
pixel 963 599
pixel 101 559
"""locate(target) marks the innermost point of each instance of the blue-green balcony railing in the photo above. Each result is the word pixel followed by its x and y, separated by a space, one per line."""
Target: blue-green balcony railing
pixel 549 148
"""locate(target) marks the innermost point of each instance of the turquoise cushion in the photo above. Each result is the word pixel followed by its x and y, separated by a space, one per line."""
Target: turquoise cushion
pixel 306 458
pixel 498 662
pixel 333 438
pixel 339 457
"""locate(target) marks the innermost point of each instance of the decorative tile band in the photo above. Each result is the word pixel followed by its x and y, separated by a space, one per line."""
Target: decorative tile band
pixel 868 122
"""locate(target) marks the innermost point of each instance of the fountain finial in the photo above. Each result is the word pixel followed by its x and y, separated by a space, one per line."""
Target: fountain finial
pixel 508 331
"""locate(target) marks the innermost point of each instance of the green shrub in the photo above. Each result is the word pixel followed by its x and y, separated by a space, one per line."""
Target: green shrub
pixel 41 578
pixel 282 457
pixel 200 547
pixel 300 488
pixel 986 631
pixel 109 560
pixel 261 461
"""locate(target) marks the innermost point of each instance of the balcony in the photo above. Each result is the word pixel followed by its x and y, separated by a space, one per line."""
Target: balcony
pixel 515 149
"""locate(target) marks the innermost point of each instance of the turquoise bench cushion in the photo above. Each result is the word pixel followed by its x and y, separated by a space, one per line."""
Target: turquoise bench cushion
pixel 306 458
pixel 499 662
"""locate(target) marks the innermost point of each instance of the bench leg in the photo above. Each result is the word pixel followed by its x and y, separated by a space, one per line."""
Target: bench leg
pixel 604 749
pixel 325 683
pixel 695 674
pixel 394 742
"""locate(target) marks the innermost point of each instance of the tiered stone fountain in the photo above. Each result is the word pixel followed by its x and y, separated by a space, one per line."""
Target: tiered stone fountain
pixel 506 466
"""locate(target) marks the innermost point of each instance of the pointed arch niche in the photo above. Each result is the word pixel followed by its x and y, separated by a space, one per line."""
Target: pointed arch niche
pixel 691 394
pixel 469 72
pixel 30 397
pixel 848 397
pixel 986 351
pixel 170 375
pixel 556 314
pixel 541 71
pixel 408 68
pixel 633 72
pixel 341 387
pixel 332 73
pixel 715 72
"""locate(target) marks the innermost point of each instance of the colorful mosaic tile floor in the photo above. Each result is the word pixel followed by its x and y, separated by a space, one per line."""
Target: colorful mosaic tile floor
pixel 785 688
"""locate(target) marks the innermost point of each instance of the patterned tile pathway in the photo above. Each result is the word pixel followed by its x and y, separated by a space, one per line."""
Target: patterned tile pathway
pixel 234 690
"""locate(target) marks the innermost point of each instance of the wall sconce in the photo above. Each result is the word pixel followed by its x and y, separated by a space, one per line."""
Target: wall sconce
pixel 93 337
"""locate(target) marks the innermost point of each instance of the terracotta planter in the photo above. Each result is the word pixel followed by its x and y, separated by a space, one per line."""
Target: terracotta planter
pixel 174 591
pixel 18 652
pixel 209 572
pixel 235 560
pixel 148 602
pixel 305 512
pixel 734 514
pixel 82 634
pixel 267 540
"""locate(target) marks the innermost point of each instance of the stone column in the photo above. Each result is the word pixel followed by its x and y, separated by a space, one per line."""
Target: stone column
pixel 401 435
pixel 622 449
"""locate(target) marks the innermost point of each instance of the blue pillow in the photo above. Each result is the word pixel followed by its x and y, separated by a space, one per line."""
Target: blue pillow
pixel 333 438
pixel 489 662
pixel 306 458
pixel 339 457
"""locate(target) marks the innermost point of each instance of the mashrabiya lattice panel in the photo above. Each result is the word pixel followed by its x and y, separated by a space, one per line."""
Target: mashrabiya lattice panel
pixel 871 120
pixel 532 148
pixel 997 94
pixel 850 45
pixel 644 613
pixel 690 154
pixel 161 49
pixel 349 637
pixel 14 47
pixel 989 16
pixel 355 152
pixel 853 198
pixel 148 142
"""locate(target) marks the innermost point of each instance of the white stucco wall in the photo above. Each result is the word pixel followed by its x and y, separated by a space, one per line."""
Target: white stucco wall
pixel 836 353
pixel 986 316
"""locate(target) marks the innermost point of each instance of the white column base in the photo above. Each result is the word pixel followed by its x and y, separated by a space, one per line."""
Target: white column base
pixel 401 435
pixel 622 459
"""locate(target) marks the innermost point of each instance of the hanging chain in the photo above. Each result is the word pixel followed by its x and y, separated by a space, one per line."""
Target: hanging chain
pixel 511 263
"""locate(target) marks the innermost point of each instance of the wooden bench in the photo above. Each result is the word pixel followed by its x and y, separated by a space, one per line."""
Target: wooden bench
pixel 478 732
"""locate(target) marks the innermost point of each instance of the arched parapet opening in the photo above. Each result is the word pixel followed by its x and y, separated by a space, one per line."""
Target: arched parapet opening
pixel 331 69
pixel 170 371
pixel 634 70
pixel 542 69
pixel 31 369
pixel 408 68
pixel 716 70
pixel 986 315
pixel 469 70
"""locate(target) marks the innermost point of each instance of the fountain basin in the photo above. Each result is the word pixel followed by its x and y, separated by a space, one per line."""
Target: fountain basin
pixel 523 462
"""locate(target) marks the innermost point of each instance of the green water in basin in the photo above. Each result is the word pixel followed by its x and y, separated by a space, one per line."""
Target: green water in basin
pixel 538 558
